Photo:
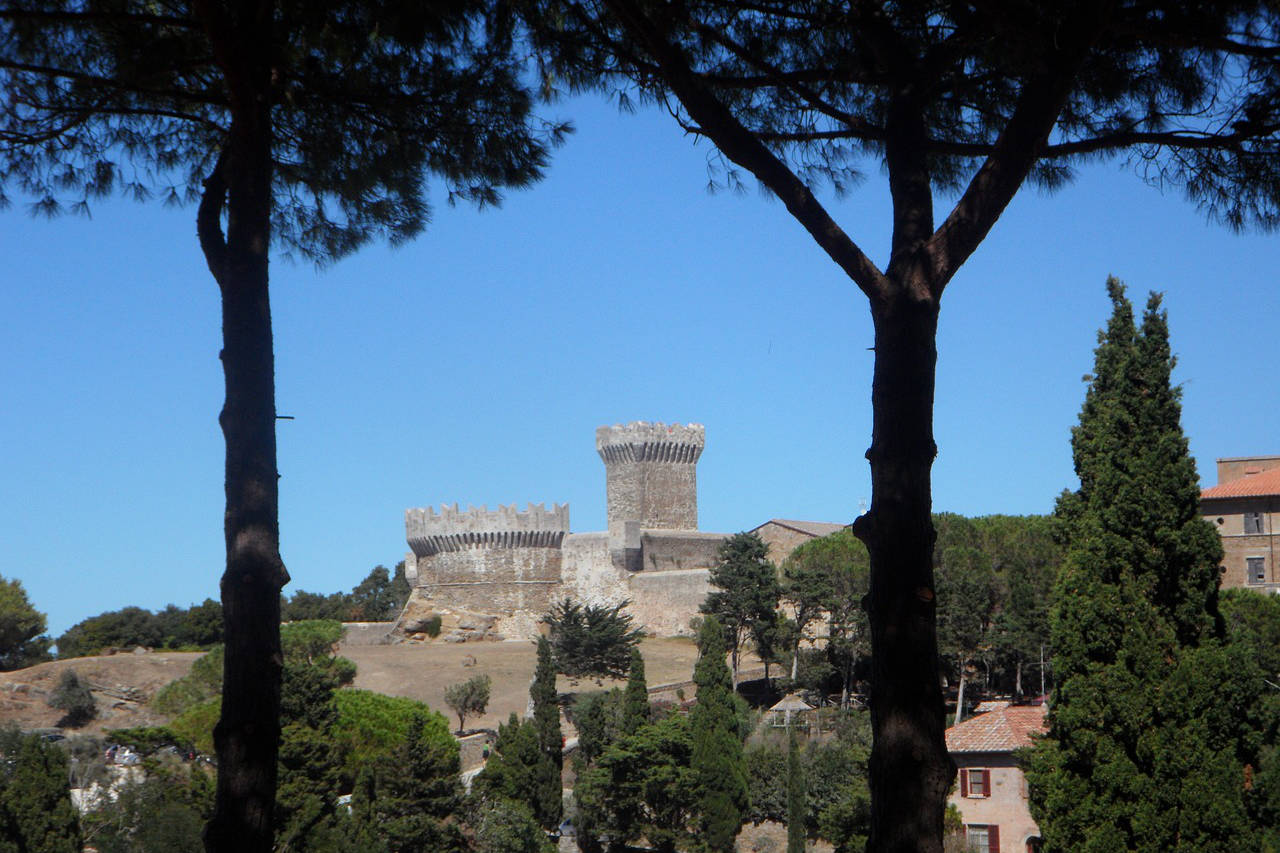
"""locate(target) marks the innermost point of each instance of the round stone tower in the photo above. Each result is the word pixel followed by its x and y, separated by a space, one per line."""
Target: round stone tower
pixel 651 482
pixel 489 561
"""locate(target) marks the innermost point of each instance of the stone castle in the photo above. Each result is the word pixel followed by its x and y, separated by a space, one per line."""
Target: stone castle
pixel 503 569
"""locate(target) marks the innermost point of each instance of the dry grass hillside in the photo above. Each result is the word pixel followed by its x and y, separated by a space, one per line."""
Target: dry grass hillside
pixel 123 683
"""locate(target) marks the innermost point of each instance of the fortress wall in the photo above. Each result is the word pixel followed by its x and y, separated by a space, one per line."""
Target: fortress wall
pixel 588 572
pixel 494 580
pixel 665 602
pixel 663 550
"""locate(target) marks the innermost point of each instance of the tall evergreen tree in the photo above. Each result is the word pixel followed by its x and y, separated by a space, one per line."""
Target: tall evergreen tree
pixel 635 699
pixel 36 814
pixel 310 125
pixel 797 805
pixel 1145 747
pixel 717 760
pixel 548 807
pixel 747 592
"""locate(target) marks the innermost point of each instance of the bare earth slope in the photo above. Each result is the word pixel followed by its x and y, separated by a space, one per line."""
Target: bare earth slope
pixel 423 672
pixel 121 685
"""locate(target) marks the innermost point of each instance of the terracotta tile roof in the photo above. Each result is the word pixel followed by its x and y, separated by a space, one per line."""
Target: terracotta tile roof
pixel 812 528
pixel 998 731
pixel 1254 485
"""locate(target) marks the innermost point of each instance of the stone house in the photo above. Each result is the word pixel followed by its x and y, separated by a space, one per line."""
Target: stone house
pixel 991 794
pixel 784 536
pixel 1243 507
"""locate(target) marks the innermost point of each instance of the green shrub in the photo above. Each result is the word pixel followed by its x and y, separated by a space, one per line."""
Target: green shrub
pixel 72 697
pixel 195 725
pixel 432 626
pixel 372 725
pixel 202 683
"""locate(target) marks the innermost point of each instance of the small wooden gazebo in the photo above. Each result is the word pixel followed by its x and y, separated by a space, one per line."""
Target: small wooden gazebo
pixel 780 714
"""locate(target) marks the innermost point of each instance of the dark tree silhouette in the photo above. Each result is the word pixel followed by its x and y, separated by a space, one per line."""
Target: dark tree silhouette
pixel 972 100
pixel 309 124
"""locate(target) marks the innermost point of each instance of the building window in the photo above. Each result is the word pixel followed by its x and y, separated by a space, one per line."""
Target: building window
pixel 975 782
pixel 1253 522
pixel 982 838
pixel 1256 569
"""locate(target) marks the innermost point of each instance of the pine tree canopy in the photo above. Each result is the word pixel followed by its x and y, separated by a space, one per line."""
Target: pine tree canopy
pixel 368 102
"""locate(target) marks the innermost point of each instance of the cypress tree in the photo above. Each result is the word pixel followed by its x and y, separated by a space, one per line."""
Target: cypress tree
pixel 36 814
pixel 1145 743
pixel 635 699
pixel 548 807
pixel 797 805
pixel 717 759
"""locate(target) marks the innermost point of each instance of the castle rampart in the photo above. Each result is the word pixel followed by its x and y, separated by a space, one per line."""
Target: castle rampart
pixel 513 565
pixel 488 560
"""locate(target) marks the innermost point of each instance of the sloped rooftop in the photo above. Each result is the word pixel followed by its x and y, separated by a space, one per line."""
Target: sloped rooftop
pixel 1262 484
pixel 1002 730
pixel 812 528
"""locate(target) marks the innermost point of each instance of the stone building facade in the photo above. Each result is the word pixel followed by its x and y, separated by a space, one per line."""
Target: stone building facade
pixel 512 564
pixel 1243 507
pixel 991 791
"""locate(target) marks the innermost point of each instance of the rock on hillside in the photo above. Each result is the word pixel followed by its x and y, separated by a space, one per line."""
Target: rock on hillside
pixel 121 685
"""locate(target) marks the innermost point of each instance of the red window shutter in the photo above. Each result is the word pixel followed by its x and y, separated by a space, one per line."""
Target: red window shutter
pixel 993 838
pixel 964 781
pixel 986 783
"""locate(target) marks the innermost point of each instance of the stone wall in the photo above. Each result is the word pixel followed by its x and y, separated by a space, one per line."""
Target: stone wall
pixel 664 550
pixel 666 602
pixel 651 473
pixel 489 561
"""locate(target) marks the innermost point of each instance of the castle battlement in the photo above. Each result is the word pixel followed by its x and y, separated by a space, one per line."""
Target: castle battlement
pixel 506 527
pixel 641 441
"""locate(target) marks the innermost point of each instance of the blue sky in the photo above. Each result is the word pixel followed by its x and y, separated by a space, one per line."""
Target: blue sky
pixel 474 364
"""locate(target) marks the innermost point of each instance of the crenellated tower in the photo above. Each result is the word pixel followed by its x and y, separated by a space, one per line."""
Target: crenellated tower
pixel 651 482
pixel 489 560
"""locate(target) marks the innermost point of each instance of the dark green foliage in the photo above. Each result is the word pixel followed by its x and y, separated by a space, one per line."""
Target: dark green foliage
pixel 130 626
pixel 371 725
pixel 1148 732
pixel 599 719
pixel 797 797
pixel 591 640
pixel 199 625
pixel 468 698
pixel 635 698
pixel 507 826
pixel 968 597
pixel 526 763
pixel 410 798
pixel 22 638
pixel 548 802
pixel 746 595
pixel 716 759
pixel 830 575
pixel 163 811
pixel 838 801
pixel 511 773
pixel 313 605
pixel 200 684
pixel 311 641
pixel 36 814
pixel 642 786
pixel 72 697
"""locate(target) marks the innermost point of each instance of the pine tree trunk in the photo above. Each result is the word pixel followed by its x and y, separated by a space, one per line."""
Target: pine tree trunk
pixel 910 770
pixel 248 732
pixel 960 697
